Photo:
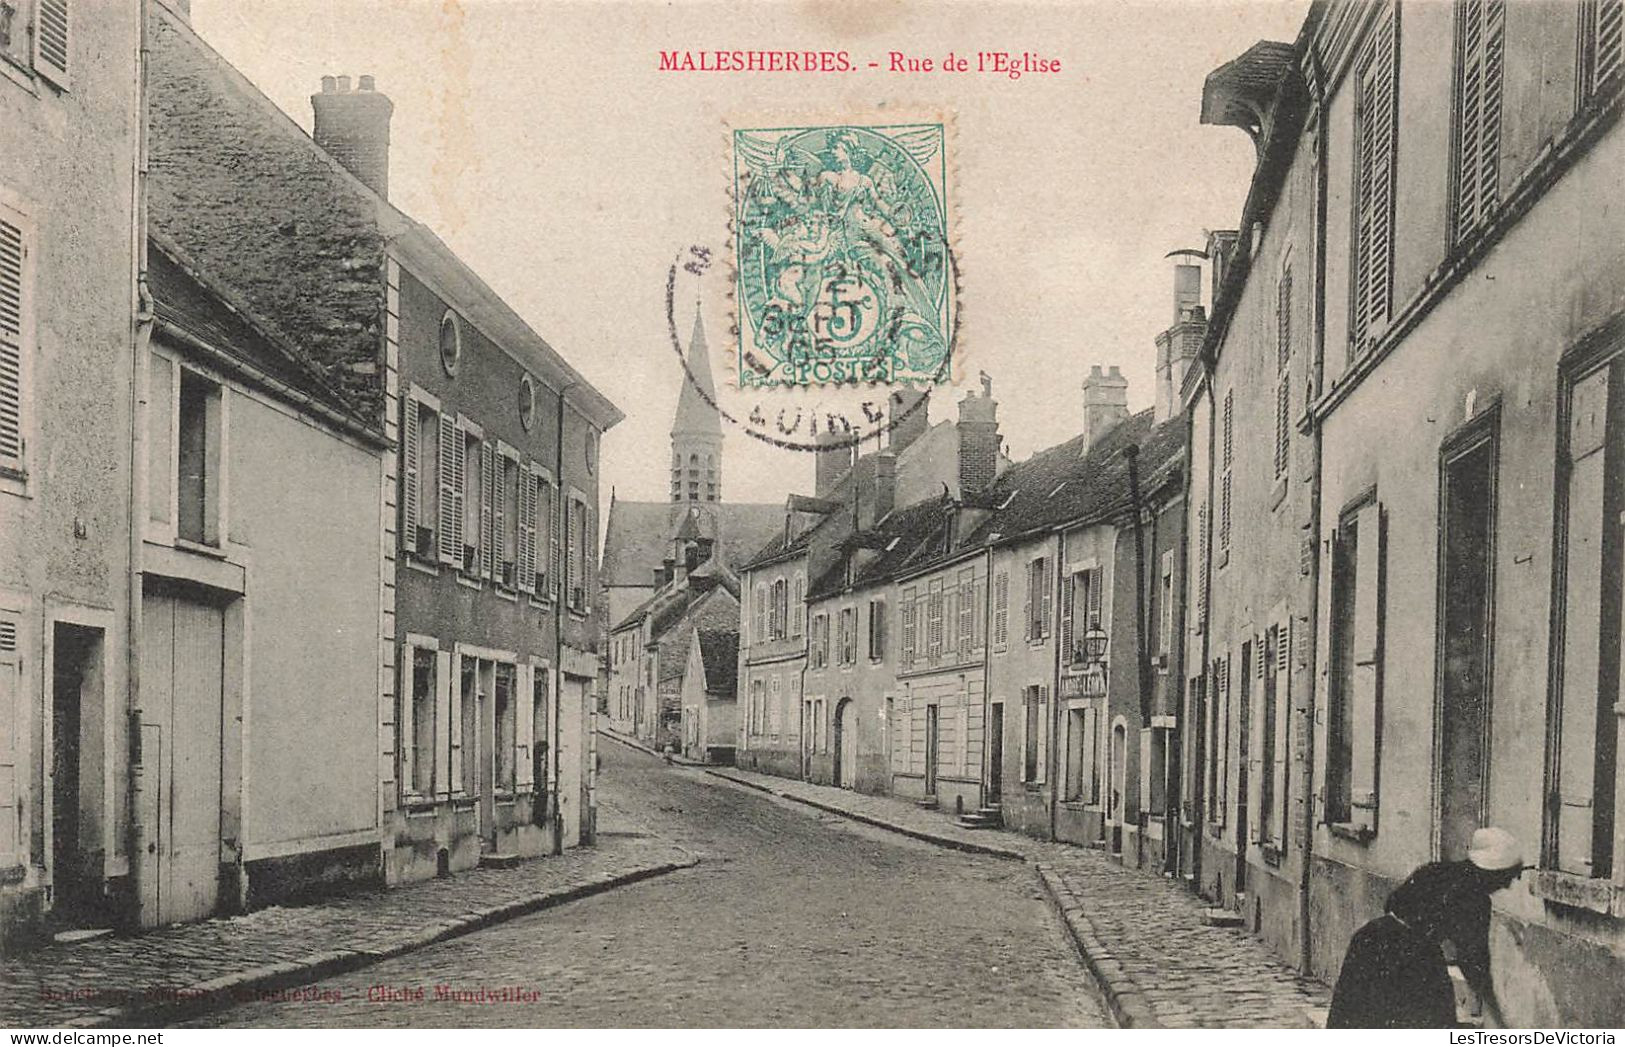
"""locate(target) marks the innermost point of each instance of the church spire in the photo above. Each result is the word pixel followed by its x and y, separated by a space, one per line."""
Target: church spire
pixel 696 429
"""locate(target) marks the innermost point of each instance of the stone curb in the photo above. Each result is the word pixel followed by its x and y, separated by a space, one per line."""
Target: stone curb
pixel 241 986
pixel 1127 1003
pixel 881 823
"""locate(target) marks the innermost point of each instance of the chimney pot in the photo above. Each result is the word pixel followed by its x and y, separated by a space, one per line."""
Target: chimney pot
pixel 353 127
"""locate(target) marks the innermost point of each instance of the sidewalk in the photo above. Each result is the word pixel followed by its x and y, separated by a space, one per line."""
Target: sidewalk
pixel 1141 935
pixel 168 974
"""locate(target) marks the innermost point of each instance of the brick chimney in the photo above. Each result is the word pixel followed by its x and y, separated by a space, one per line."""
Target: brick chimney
pixel 978 440
pixel 1179 345
pixel 1105 403
pixel 910 418
pixel 876 488
pixel 353 127
pixel 834 458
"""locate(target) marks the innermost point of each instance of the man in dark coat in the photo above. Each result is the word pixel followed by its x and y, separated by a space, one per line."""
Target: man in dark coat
pixel 1394 974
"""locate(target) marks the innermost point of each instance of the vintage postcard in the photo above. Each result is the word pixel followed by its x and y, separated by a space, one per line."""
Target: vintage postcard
pixel 878 514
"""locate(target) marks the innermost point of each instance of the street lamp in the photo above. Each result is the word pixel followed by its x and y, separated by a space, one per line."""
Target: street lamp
pixel 1094 646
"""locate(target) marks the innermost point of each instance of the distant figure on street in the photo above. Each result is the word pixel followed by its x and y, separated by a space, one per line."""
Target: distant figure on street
pixel 1394 974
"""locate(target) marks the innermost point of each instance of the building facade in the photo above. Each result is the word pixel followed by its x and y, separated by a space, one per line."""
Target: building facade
pixel 70 116
pixel 1429 267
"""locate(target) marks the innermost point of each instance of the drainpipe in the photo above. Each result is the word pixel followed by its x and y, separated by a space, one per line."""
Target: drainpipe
pixel 561 520
pixel 1306 852
pixel 1054 726
pixel 135 837
pixel 987 680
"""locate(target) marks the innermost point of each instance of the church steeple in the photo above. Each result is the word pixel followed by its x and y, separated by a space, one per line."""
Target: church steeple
pixel 696 429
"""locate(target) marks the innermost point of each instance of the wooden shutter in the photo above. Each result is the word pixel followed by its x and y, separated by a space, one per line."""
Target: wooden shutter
pixel 1165 589
pixel 1368 618
pixel 1069 595
pixel 1283 717
pixel 1027 605
pixel 967 613
pixel 11 696
pixel 1001 608
pixel 51 41
pixel 1097 594
pixel 1221 743
pixel 1041 694
pixel 797 601
pixel 1283 368
pixel 934 619
pixel 907 610
pixel 525 544
pixel 1607 41
pixel 490 565
pixel 409 472
pixel 15 283
pixel 1255 742
pixel 499 516
pixel 447 725
pixel 1199 618
pixel 1374 176
pixel 1480 45
pixel 524 713
pixel 759 614
pixel 450 548
pixel 1047 597
pixel 555 539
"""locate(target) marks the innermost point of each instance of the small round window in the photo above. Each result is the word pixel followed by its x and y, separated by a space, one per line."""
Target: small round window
pixel 527 402
pixel 451 343
pixel 591 449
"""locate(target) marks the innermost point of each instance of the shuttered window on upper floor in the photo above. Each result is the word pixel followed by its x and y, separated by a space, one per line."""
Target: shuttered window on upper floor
pixel 1376 138
pixel 1480 59
pixel 1283 371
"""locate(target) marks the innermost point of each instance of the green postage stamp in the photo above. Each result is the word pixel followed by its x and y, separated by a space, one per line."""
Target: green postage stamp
pixel 843 268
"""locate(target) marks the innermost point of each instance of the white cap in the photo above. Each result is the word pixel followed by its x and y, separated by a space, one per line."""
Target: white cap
pixel 1495 850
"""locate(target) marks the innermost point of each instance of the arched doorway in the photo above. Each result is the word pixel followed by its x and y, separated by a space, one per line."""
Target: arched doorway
pixel 846 744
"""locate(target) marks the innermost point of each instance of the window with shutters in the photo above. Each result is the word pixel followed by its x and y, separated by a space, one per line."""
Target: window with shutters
pixel 580 538
pixel 1033 731
pixel 474 494
pixel 1271 744
pixel 877 630
pixel 199 466
pixel 1227 460
pixel 818 655
pixel 1001 609
pixel 1283 372
pixel 1080 612
pixel 1602 47
pixel 1583 723
pixel 775 704
pixel 16 334
pixel 1039 599
pixel 1375 146
pixel 849 635
pixel 909 628
pixel 421 689
pixel 35 36
pixel 504 711
pixel 1356 654
pixel 1480 48
pixel 506 518
pixel 420 474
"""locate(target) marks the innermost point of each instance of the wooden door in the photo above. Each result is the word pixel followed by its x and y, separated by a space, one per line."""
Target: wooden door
pixel 182 674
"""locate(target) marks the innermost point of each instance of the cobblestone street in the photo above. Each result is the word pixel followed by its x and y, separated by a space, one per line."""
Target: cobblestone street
pixel 793 918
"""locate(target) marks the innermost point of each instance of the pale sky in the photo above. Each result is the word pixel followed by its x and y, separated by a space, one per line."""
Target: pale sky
pixel 539 140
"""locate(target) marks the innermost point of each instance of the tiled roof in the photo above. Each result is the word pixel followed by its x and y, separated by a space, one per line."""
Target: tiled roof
pixel 190 302
pixel 719 652
pixel 638 534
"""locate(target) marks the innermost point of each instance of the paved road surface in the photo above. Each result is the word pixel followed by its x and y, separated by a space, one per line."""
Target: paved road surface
pixel 793 919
